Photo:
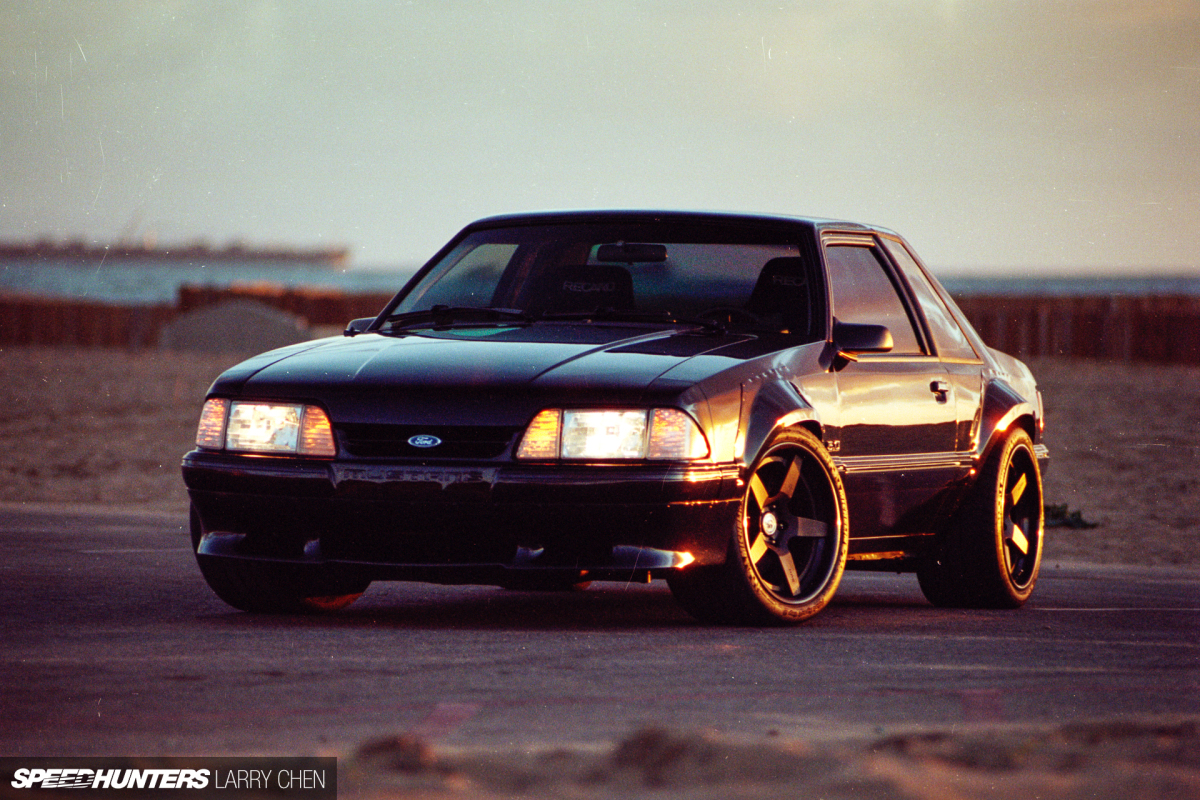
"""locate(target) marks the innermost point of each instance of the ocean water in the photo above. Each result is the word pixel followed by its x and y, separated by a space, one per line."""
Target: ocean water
pixel 1081 286
pixel 147 282
pixel 158 283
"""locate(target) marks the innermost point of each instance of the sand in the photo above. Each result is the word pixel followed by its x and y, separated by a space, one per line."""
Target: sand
pixel 100 427
pixel 1157 759
pixel 108 427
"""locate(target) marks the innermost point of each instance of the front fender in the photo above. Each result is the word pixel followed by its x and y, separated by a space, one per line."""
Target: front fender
pixel 775 405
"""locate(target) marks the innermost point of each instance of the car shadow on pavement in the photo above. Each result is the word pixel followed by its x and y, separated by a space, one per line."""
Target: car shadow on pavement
pixel 607 606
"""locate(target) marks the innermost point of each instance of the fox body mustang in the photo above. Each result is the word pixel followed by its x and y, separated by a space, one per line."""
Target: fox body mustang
pixel 743 405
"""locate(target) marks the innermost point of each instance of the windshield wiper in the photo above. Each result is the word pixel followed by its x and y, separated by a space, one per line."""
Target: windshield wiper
pixel 441 316
pixel 629 315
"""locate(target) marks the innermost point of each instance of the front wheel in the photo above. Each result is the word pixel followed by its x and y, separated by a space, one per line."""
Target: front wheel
pixel 259 586
pixel 788 551
pixel 990 555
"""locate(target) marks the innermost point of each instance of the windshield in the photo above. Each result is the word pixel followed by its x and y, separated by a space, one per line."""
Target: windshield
pixel 739 276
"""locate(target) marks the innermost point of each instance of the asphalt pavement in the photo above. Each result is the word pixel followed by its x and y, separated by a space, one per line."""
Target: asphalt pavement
pixel 113 645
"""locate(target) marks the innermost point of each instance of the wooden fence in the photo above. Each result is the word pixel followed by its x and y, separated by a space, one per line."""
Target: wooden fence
pixel 53 322
pixel 1163 329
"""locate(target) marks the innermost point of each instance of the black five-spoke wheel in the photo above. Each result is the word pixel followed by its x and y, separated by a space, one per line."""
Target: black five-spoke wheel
pixel 990 553
pixel 787 520
pixel 1021 519
pixel 788 553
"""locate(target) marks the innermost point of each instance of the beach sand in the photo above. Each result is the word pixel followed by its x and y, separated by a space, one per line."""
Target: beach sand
pixel 1156 759
pixel 108 427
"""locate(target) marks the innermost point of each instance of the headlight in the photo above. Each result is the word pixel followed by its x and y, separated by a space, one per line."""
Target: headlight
pixel 272 428
pixel 603 434
pixel 613 435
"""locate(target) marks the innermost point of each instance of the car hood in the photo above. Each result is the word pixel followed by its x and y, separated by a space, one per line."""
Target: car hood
pixel 477 365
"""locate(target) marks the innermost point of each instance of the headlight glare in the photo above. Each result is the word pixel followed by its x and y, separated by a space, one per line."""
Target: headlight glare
pixel 604 434
pixel 613 435
pixel 263 427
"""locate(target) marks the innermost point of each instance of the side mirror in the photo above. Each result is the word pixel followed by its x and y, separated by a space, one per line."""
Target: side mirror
pixel 851 338
pixel 357 326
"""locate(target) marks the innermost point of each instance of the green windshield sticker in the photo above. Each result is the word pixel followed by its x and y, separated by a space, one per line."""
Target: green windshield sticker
pixel 470 333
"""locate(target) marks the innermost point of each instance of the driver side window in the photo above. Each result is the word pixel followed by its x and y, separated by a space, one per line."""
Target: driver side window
pixel 864 292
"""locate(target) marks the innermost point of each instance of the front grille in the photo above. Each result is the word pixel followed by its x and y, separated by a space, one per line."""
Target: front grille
pixel 458 441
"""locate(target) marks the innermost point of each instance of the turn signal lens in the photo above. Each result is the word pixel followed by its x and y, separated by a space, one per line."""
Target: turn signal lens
pixel 316 434
pixel 211 432
pixel 541 437
pixel 675 436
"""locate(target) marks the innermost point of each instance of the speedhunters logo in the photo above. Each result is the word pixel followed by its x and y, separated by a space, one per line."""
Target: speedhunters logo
pixel 82 778
pixel 300 778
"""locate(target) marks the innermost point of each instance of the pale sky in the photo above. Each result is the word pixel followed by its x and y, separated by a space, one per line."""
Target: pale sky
pixel 1034 138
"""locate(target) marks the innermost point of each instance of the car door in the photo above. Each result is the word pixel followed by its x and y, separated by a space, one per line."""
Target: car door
pixel 958 356
pixel 897 415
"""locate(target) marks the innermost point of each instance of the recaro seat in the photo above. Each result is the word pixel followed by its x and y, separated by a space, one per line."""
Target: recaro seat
pixel 588 288
pixel 781 296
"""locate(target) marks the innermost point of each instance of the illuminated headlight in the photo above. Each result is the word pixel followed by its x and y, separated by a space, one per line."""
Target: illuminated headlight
pixel 603 434
pixel 271 428
pixel 659 434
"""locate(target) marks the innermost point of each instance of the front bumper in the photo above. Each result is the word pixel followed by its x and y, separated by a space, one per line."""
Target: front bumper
pixel 461 523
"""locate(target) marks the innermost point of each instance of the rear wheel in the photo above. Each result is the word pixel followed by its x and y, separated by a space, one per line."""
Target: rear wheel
pixel 261 586
pixel 788 551
pixel 990 555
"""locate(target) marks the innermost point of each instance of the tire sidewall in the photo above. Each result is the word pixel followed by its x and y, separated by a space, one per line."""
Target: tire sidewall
pixel 757 593
pixel 1017 442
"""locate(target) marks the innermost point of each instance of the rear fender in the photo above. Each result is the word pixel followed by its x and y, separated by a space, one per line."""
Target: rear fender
pixel 1003 409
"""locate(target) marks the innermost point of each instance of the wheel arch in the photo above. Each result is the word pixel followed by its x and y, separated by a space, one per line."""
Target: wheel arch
pixel 1003 410
pixel 777 406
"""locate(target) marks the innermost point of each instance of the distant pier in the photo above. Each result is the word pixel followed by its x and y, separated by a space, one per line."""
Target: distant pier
pixel 233 253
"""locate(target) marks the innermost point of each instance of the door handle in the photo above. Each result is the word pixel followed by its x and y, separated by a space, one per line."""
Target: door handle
pixel 941 389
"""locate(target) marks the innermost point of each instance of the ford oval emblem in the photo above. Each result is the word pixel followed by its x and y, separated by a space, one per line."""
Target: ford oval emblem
pixel 424 440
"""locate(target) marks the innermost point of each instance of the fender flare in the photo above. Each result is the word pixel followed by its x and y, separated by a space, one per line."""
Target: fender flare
pixel 776 406
pixel 1002 408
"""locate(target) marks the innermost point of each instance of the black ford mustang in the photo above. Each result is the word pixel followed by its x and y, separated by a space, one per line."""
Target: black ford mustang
pixel 745 406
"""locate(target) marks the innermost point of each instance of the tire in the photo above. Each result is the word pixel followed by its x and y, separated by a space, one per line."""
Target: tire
pixel 262 587
pixel 788 550
pixel 990 554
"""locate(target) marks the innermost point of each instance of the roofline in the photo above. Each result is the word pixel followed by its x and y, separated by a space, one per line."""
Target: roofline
pixel 604 215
